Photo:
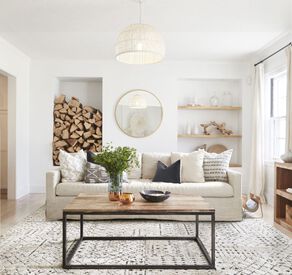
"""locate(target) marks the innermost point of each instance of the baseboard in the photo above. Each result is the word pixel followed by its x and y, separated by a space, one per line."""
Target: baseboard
pixel 3 193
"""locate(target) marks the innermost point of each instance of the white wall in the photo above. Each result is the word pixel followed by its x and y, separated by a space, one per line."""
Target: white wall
pixel 16 65
pixel 160 79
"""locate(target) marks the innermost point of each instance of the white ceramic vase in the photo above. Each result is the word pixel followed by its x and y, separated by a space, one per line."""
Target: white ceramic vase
pixel 287 157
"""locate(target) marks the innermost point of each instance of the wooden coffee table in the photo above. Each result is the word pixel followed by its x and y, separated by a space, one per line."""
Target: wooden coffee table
pixel 175 205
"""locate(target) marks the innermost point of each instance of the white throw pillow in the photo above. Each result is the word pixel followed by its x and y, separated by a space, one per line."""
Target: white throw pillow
pixel 191 166
pixel 149 163
pixel 72 166
pixel 216 166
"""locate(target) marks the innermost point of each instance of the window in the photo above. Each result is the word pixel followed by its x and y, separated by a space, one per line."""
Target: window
pixel 277 121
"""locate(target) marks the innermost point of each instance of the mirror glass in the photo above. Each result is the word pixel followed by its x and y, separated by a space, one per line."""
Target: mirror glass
pixel 138 113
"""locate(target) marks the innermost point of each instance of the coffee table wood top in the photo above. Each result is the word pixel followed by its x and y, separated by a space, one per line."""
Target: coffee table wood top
pixel 86 203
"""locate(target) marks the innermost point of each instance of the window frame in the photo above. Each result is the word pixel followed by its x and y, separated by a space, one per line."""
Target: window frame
pixel 270 119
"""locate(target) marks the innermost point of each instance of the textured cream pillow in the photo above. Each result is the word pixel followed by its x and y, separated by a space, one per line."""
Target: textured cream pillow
pixel 191 166
pixel 216 165
pixel 72 166
pixel 149 163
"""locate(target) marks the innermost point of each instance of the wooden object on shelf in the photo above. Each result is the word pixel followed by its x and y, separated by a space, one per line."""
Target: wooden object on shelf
pixel 75 127
pixel 205 107
pixel 207 136
pixel 283 199
pixel 217 148
pixel 219 127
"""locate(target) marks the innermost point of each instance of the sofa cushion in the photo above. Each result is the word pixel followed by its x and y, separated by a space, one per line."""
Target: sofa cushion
pixel 136 172
pixel 149 163
pixel 90 156
pixel 191 166
pixel 95 173
pixel 103 176
pixel 216 166
pixel 169 173
pixel 204 189
pixel 72 166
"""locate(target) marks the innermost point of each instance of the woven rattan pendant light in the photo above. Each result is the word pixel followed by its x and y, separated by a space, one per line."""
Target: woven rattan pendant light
pixel 140 44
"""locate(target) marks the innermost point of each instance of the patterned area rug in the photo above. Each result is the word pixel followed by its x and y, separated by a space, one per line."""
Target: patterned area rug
pixel 250 247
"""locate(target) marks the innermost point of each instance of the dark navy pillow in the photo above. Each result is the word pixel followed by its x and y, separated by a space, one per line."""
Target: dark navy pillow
pixel 167 174
pixel 90 156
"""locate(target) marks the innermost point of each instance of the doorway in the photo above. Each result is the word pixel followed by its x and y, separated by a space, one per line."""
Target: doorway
pixel 3 136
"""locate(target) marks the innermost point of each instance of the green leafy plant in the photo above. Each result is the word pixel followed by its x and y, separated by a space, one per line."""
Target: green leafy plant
pixel 116 160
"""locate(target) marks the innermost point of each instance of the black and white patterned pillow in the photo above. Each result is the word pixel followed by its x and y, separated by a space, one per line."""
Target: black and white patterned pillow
pixel 216 165
pixel 95 173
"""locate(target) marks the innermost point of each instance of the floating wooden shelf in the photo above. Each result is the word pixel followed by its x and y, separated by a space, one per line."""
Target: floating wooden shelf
pixel 208 136
pixel 201 107
pixel 283 193
pixel 235 165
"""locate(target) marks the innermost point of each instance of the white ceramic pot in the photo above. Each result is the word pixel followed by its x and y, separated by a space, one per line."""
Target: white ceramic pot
pixel 287 157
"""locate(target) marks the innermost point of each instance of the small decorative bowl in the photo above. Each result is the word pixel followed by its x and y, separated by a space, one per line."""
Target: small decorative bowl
pixel 155 195
pixel 127 198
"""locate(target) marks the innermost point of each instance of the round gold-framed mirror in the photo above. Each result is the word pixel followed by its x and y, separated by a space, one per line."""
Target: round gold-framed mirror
pixel 138 113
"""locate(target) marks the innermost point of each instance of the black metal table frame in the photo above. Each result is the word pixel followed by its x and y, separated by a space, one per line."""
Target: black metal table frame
pixel 67 257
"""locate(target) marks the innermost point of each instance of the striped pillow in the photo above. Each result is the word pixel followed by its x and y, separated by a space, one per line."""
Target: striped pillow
pixel 215 166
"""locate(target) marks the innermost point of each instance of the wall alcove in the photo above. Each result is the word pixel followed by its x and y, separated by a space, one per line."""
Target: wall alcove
pixel 77 116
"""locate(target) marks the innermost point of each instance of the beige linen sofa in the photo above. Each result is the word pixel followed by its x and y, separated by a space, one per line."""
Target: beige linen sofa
pixel 224 197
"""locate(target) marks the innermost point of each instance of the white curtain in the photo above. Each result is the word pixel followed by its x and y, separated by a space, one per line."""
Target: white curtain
pixel 289 101
pixel 256 183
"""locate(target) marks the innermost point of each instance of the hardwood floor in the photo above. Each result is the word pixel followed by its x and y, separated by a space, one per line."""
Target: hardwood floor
pixel 12 212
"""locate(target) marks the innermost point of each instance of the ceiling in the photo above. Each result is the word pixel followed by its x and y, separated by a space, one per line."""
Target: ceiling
pixel 192 29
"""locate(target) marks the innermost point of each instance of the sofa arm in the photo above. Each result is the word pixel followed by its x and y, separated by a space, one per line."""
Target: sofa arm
pixel 234 179
pixel 53 177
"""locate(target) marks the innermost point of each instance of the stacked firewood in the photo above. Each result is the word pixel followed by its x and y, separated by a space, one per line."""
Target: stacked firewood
pixel 75 127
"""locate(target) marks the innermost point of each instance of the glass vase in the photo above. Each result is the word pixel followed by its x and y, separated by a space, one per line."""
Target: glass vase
pixel 115 187
pixel 214 100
